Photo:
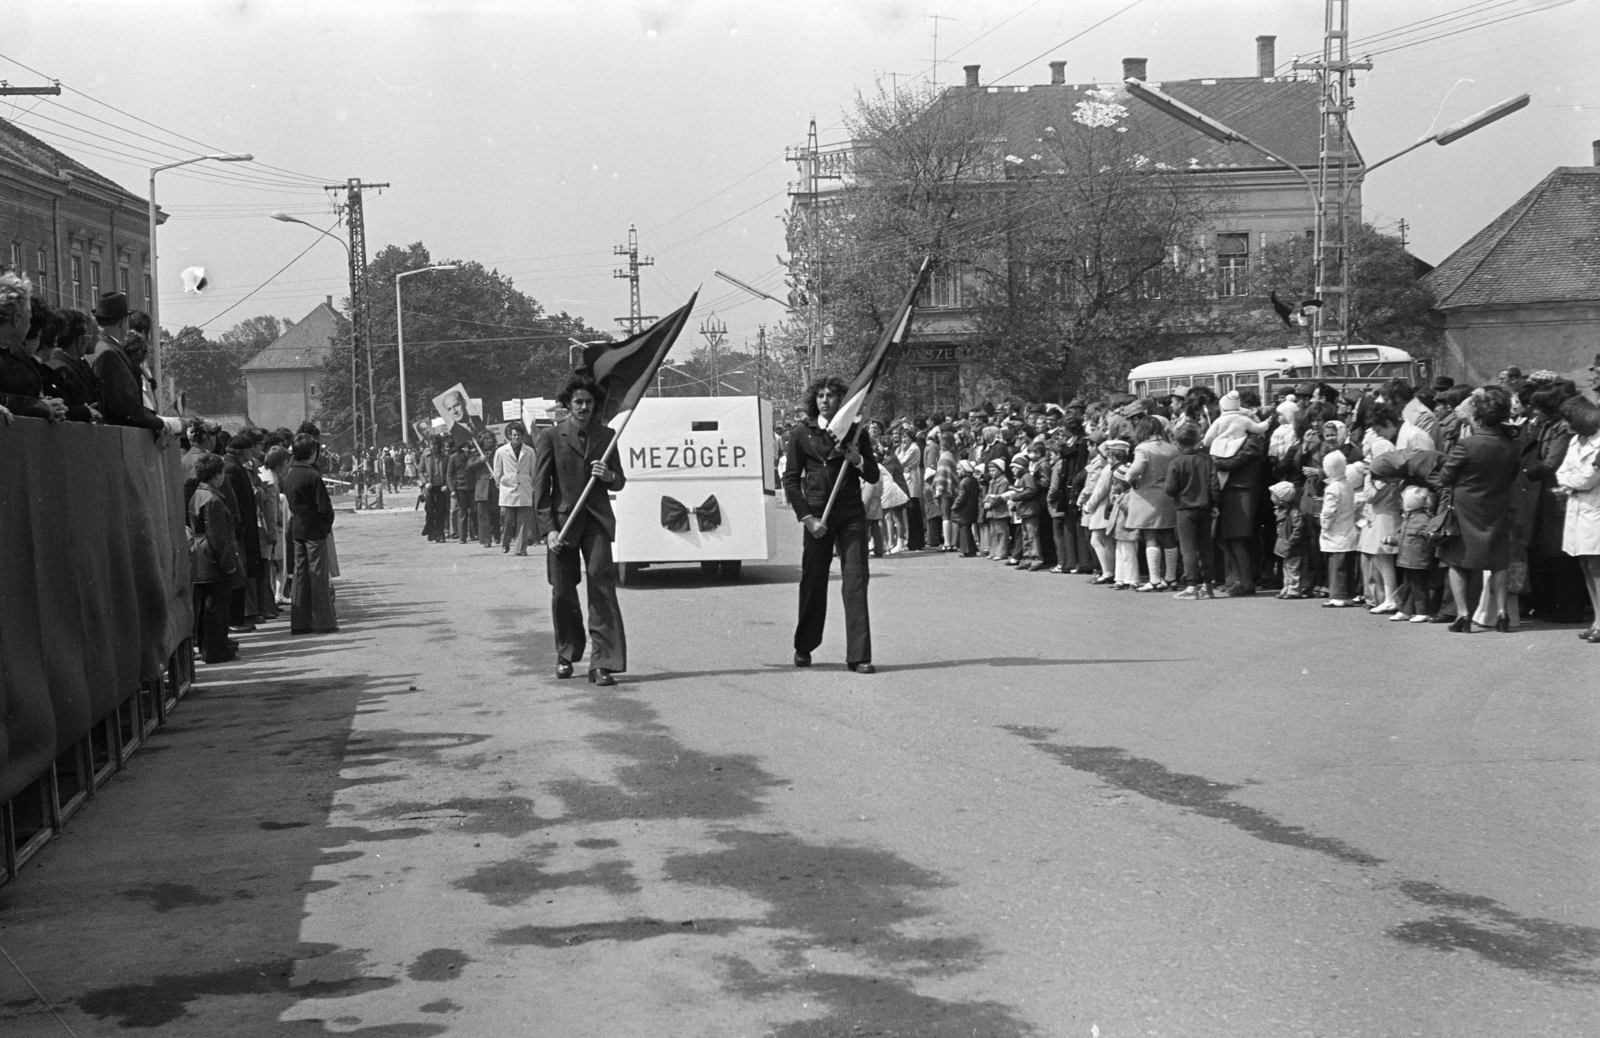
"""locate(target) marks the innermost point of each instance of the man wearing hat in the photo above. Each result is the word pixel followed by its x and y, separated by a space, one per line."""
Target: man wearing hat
pixel 122 399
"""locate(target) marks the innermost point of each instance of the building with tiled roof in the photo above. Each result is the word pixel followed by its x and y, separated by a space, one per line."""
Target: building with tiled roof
pixel 283 382
pixel 1525 290
pixel 72 231
pixel 1256 201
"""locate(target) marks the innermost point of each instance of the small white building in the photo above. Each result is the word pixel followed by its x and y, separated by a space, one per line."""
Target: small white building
pixel 283 381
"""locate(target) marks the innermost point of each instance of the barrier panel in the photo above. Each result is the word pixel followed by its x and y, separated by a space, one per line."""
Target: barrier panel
pixel 94 612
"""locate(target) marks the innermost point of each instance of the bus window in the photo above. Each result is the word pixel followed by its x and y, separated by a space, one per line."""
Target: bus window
pixel 1158 387
pixel 1224 384
pixel 1210 381
pixel 1251 379
pixel 1139 387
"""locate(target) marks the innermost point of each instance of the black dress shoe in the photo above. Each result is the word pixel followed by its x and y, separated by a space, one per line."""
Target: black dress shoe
pixel 563 669
pixel 802 659
pixel 602 678
pixel 1503 624
pixel 1461 625
pixel 863 668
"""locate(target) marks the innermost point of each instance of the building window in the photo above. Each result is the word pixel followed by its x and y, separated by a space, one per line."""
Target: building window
pixel 94 280
pixel 148 294
pixel 16 256
pixel 122 280
pixel 936 390
pixel 947 286
pixel 41 273
pixel 1149 285
pixel 1233 264
pixel 77 281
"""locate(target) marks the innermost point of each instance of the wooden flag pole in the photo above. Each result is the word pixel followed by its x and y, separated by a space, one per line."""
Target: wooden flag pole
pixel 855 437
pixel 588 487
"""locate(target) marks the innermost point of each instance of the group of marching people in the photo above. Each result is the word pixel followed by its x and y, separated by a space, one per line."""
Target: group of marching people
pixel 1477 507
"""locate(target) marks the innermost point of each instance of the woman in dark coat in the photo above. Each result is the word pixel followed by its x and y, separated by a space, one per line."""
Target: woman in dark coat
pixel 1558 588
pixel 1478 474
pixel 1236 514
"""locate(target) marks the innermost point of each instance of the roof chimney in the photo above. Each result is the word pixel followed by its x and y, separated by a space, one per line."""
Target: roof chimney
pixel 1596 147
pixel 1058 72
pixel 329 300
pixel 972 74
pixel 1134 68
pixel 1266 56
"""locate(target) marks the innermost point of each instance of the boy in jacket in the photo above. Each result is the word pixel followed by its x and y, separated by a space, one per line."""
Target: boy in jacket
pixel 1193 485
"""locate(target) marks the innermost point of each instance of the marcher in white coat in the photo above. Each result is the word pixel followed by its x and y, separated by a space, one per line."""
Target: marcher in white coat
pixel 513 472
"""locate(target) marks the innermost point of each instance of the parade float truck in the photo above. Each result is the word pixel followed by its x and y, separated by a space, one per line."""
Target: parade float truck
pixel 702 485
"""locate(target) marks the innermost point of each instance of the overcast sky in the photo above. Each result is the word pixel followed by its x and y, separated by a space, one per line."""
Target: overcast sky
pixel 529 135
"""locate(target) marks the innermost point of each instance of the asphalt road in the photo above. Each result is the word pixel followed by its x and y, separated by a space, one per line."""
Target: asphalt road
pixel 1057 810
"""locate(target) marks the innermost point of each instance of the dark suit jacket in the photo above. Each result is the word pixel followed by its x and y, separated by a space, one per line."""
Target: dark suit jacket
pixel 21 386
pixel 812 463
pixel 122 401
pixel 561 462
pixel 308 502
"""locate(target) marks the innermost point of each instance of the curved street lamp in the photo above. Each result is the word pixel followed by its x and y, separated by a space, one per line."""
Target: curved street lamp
pixel 155 274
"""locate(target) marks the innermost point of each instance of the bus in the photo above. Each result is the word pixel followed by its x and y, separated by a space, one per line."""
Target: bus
pixel 1267 371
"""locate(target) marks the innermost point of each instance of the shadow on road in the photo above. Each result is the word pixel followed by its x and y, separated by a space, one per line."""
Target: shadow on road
pixel 176 898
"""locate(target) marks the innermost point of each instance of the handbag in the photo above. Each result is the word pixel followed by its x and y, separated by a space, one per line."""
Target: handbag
pixel 1444 527
pixel 893 496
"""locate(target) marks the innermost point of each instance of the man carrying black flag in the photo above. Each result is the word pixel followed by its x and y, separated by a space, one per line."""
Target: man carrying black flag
pixel 828 457
pixel 816 463
pixel 575 469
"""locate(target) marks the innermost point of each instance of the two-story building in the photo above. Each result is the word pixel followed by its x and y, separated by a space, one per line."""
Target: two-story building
pixel 1254 200
pixel 72 231
pixel 283 383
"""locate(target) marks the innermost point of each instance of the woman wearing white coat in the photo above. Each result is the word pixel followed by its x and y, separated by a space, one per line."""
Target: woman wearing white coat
pixel 1579 478
pixel 513 473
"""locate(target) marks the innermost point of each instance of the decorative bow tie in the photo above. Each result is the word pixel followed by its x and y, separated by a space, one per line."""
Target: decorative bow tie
pixel 675 515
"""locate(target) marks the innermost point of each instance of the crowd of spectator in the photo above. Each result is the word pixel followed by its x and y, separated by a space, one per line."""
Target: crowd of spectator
pixel 1477 507
pixel 260 532
pixel 66 365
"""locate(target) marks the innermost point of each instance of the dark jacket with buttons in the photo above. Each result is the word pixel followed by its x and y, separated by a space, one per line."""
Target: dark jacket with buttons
pixel 812 463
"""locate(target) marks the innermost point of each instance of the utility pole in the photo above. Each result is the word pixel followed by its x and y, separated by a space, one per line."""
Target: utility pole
pixel 936 19
pixel 635 320
pixel 1336 78
pixel 360 312
pixel 1404 227
pixel 714 331
pixel 761 359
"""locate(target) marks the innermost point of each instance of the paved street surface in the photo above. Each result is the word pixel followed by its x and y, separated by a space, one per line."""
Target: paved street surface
pixel 1056 809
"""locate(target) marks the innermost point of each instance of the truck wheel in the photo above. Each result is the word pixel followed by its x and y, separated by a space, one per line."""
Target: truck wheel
pixel 628 573
pixel 732 570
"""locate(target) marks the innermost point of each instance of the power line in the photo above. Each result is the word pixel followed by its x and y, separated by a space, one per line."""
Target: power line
pixel 1069 39
pixel 269 280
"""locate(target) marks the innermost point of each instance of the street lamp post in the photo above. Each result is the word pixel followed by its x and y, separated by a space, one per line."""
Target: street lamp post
pixel 355 411
pixel 1197 120
pixel 155 275
pixel 400 342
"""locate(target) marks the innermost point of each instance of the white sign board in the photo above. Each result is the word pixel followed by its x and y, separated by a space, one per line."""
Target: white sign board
pixel 680 453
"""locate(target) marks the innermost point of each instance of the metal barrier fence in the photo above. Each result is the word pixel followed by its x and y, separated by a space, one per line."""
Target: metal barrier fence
pixel 95 616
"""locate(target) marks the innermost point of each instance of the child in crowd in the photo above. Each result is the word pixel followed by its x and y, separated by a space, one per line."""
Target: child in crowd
pixel 1291 543
pixel 1339 533
pixel 1416 555
pixel 997 511
pixel 1192 484
pixel 1227 434
pixel 1125 536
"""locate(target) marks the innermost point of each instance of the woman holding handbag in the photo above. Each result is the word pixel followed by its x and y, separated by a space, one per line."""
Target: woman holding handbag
pixel 1479 473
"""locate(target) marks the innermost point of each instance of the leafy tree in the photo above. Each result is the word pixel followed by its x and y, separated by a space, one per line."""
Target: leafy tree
pixel 208 371
pixel 470 325
pixel 1070 263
